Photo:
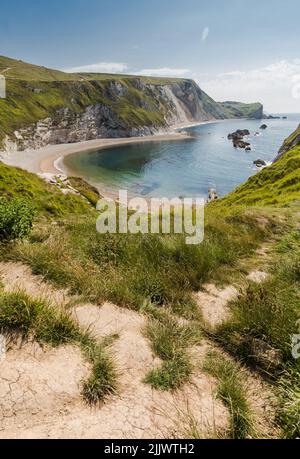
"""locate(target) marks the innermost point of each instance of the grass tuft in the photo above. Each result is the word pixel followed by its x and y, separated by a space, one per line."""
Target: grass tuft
pixel 29 317
pixel 21 314
pixel 232 392
pixel 170 342
pixel 103 379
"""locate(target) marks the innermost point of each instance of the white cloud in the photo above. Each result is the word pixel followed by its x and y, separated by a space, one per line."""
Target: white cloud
pixel 101 67
pixel 114 67
pixel 273 85
pixel 164 72
pixel 205 33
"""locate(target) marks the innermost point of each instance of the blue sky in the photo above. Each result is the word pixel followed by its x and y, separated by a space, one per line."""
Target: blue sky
pixel 236 49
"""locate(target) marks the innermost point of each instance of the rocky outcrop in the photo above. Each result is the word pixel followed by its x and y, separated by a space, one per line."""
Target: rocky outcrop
pixel 259 163
pixel 239 134
pixel 237 139
pixel 68 127
pixel 212 195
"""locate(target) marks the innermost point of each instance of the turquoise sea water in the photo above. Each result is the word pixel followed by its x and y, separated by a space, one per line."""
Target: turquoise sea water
pixel 186 167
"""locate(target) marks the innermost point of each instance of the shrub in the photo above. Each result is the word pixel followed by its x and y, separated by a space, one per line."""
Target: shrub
pixel 16 219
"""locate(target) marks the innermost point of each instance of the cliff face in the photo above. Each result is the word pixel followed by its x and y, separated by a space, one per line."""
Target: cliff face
pixel 93 109
pixel 292 141
pixel 48 107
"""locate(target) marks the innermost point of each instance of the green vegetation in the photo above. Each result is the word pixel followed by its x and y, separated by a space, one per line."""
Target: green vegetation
pixel 35 93
pixel 22 314
pixel 16 219
pixel 240 110
pixel 292 141
pixel 35 318
pixel 103 379
pixel 267 311
pixel 232 392
pixel 19 70
pixel 87 191
pixel 45 199
pixel 169 342
pixel 270 312
pixel 29 102
pixel 158 274
pixel 133 269
pixel 275 186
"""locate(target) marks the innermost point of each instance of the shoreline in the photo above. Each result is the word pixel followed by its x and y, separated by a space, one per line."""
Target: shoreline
pixel 44 160
pixel 47 162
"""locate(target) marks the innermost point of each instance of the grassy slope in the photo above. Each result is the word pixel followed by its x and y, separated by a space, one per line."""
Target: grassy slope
pixel 292 141
pixel 35 93
pixel 28 72
pixel 277 185
pixel 48 201
pixel 23 107
pixel 241 110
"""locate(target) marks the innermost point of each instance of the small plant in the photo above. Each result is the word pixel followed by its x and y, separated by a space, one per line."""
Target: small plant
pixel 32 317
pixel 289 403
pixel 102 381
pixel 35 318
pixel 171 375
pixel 170 341
pixel 16 219
pixel 232 392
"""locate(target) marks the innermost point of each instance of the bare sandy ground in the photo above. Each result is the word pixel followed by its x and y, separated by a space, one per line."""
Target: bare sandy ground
pixel 40 388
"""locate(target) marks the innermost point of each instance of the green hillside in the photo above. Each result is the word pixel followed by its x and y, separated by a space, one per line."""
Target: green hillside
pixel 241 110
pixel 17 69
pixel 277 185
pixel 292 141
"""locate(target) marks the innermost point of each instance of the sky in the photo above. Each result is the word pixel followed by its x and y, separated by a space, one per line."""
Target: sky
pixel 246 50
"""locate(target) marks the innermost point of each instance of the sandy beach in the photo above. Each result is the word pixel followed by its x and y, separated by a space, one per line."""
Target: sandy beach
pixel 45 160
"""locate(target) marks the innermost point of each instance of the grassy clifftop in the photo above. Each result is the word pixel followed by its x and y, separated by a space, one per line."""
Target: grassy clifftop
pixel 19 70
pixel 292 141
pixel 240 110
pixel 30 101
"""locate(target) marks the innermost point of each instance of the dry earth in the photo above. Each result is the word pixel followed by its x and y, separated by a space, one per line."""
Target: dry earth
pixel 40 388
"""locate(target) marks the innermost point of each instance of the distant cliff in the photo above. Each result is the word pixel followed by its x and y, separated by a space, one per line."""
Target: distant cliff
pixel 45 106
pixel 240 110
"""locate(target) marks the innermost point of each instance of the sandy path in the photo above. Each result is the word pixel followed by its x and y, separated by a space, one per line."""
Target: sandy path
pixel 40 388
